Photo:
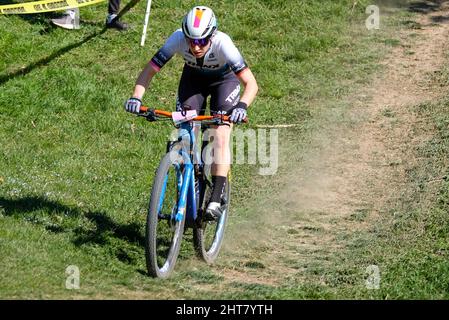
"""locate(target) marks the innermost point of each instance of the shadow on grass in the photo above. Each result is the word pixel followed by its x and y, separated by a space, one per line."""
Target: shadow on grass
pixel 417 6
pixel 105 229
pixel 440 19
pixel 46 60
pixel 425 7
pixel 60 52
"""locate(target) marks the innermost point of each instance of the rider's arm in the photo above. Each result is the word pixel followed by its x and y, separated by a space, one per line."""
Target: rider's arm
pixel 238 65
pixel 246 77
pixel 143 81
pixel 164 54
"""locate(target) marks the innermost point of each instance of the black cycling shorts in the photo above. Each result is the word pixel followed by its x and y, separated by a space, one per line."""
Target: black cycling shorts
pixel 194 89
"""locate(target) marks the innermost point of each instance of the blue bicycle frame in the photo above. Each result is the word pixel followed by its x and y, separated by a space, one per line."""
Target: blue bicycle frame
pixel 188 195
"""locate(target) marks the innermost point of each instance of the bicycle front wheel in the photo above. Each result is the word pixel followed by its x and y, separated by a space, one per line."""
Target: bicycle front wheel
pixel 163 230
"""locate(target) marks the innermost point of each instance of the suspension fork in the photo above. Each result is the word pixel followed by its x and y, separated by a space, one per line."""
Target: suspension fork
pixel 185 188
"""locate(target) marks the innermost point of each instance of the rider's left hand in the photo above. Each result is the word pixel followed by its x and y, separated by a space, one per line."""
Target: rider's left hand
pixel 238 113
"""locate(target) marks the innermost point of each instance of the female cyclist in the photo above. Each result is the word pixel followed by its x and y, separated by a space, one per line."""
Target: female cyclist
pixel 213 67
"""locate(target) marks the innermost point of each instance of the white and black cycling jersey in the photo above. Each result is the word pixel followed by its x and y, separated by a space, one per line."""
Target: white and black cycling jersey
pixel 221 58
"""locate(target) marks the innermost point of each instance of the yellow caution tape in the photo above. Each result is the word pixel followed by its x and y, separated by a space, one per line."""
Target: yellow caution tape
pixel 44 6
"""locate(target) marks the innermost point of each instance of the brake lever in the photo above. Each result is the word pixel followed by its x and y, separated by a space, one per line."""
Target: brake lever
pixel 220 121
pixel 148 115
pixel 151 116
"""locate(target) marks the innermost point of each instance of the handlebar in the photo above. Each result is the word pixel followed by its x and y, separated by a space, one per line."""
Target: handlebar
pixel 154 113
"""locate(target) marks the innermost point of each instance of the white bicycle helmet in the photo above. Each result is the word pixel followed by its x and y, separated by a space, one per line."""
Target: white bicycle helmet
pixel 199 23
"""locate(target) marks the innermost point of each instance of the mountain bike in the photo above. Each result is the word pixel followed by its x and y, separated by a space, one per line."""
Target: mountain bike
pixel 180 193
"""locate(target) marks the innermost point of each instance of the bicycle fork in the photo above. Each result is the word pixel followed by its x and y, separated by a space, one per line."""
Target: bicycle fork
pixel 186 202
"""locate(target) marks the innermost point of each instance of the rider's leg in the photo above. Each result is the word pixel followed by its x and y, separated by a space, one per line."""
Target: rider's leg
pixel 224 96
pixel 221 152
pixel 191 93
pixel 221 160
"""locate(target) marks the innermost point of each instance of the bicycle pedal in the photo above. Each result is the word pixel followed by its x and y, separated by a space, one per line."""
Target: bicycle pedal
pixel 213 216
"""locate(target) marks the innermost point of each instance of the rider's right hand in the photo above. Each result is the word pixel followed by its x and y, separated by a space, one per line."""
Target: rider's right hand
pixel 133 105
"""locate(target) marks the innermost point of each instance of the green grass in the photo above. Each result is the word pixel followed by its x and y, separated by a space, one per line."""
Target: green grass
pixel 76 170
pixel 422 264
pixel 411 244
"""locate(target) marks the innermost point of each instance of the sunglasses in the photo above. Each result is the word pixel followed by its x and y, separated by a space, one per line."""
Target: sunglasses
pixel 199 42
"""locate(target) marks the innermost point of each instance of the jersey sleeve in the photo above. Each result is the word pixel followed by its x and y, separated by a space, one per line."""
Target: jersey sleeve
pixel 168 50
pixel 233 56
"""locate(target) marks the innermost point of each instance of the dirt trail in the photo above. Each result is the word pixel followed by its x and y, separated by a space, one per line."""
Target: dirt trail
pixel 355 167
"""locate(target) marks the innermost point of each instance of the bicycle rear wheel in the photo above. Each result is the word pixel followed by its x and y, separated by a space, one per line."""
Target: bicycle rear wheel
pixel 208 236
pixel 163 230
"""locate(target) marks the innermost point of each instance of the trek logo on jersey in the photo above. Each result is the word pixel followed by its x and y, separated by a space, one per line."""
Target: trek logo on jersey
pixel 198 16
pixel 234 94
